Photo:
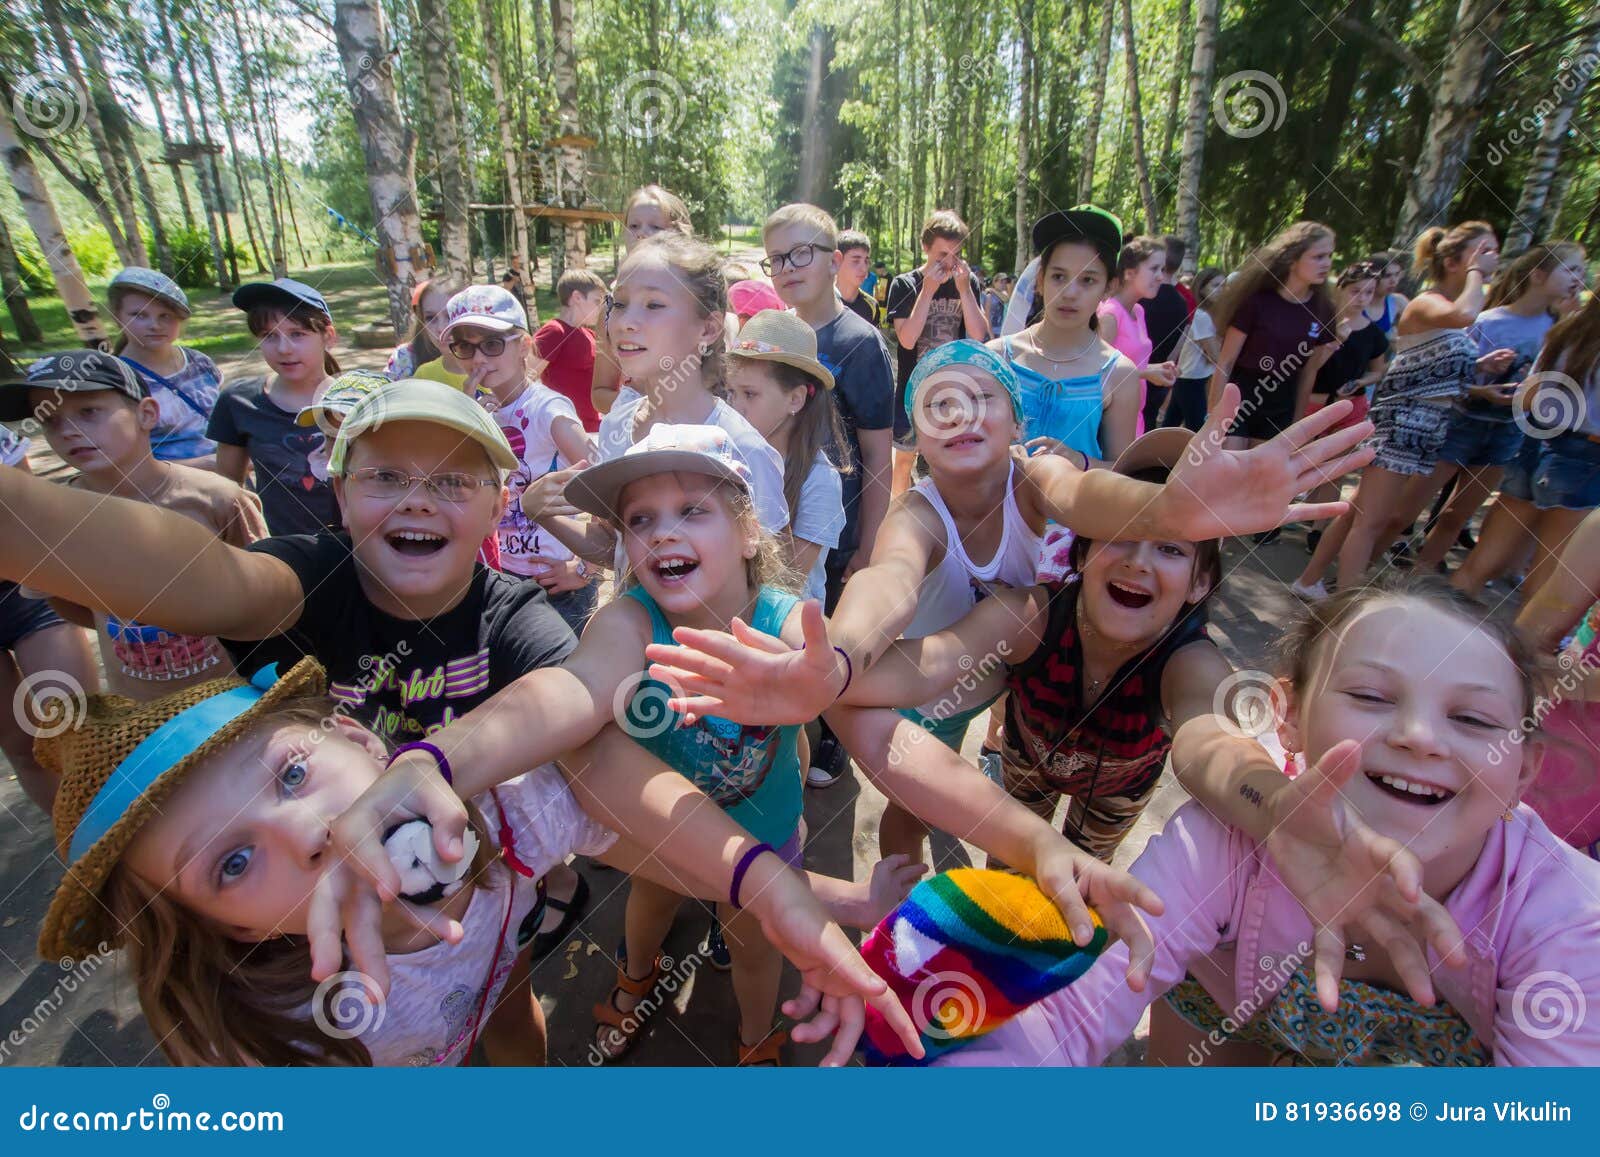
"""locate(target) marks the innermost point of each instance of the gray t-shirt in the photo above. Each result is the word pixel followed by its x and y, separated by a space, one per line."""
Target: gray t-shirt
pixel 819 518
pixel 1498 329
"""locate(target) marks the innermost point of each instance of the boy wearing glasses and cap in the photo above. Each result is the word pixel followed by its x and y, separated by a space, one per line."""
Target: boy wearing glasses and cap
pixel 484 331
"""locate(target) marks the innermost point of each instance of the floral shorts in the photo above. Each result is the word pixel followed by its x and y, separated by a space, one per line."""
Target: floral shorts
pixel 1410 436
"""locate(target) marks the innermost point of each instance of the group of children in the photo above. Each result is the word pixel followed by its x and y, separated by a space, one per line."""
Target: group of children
pixel 401 620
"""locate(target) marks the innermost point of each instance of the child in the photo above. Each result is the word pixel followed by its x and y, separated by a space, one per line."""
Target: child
pixel 973 526
pixel 933 304
pixel 565 343
pixel 1409 696
pixel 1197 354
pixel 1435 363
pixel 698 558
pixel 1139 275
pixel 421 355
pixel 1274 316
pixel 151 310
pixel 855 256
pixel 205 861
pixel 665 327
pixel 1484 437
pixel 413 632
pixel 98 418
pixel 483 329
pixel 254 422
pixel 45 663
pixel 649 210
pixel 780 388
pixel 1393 304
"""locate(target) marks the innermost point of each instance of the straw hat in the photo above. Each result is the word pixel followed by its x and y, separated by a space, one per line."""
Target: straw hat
pixel 118 764
pixel 780 336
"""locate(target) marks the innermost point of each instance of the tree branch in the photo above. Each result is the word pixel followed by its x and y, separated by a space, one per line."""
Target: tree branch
pixel 1388 44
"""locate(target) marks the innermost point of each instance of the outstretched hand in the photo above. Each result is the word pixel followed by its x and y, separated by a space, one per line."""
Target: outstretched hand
pixel 360 879
pixel 749 677
pixel 1217 493
pixel 1076 881
pixel 1354 883
pixel 545 497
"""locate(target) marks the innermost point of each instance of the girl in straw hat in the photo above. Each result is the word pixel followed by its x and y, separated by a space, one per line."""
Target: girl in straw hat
pixel 196 830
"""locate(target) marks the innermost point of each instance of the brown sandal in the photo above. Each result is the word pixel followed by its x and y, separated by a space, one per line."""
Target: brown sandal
pixel 631 1023
pixel 765 1054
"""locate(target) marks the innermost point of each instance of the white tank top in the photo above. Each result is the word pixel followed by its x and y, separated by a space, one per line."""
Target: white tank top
pixel 951 589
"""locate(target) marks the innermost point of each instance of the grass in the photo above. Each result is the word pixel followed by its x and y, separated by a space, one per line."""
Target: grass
pixel 354 291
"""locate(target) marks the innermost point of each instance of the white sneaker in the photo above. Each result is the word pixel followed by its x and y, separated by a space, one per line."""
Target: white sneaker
pixel 817 777
pixel 1314 593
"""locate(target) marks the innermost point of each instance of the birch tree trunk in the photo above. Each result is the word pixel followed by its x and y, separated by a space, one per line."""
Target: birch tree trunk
pixel 120 191
pixel 247 207
pixel 133 35
pixel 1570 84
pixel 40 211
pixel 1140 161
pixel 1097 106
pixel 1175 91
pixel 208 201
pixel 809 182
pixel 11 285
pixel 1458 102
pixel 1026 67
pixel 228 265
pixel 455 227
pixel 280 259
pixel 388 145
pixel 502 109
pixel 1201 70
pixel 574 249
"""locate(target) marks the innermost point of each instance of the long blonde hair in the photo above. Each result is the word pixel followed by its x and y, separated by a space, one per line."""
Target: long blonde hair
pixel 1438 246
pixel 213 1000
pixel 1515 279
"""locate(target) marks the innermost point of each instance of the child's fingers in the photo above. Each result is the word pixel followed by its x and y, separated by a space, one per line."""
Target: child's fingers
pixel 1124 922
pixel 324 930
pixel 432 922
pixel 1307 430
pixel 813 627
pixel 717 644
pixel 688 660
pixel 1129 889
pixel 1328 946
pixel 851 1017
pixel 1076 914
pixel 1404 951
pixel 817 1025
pixel 758 640
pixel 803 1003
pixel 897 1018
pixel 363 934
pixel 1217 422
pixel 1313 511
pixel 698 705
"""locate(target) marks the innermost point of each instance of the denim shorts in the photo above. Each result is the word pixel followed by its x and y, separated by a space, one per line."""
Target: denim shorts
pixel 1479 440
pixel 21 616
pixel 1562 473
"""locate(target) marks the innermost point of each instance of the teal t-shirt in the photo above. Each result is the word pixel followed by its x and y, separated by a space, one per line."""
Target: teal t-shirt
pixel 751 771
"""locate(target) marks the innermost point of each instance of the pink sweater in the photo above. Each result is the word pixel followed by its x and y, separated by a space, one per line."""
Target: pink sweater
pixel 1530 909
pixel 1133 339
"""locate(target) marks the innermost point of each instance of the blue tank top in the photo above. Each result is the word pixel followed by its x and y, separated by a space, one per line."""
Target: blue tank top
pixel 1067 409
pixel 751 772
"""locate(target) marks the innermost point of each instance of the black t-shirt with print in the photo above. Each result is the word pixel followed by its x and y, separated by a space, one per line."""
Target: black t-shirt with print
pixel 945 322
pixel 290 460
pixel 405 678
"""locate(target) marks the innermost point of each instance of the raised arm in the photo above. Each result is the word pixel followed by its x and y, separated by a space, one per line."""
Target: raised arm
pixel 138 561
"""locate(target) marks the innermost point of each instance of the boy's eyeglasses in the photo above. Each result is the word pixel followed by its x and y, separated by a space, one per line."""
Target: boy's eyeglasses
pixel 381 482
pixel 492 347
pixel 797 258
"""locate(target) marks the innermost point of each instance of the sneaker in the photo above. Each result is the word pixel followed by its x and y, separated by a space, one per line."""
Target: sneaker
pixel 827 763
pixel 1314 593
pixel 1465 540
pixel 715 949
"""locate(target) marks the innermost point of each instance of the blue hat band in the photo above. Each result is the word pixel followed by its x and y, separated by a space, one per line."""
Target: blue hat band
pixel 158 753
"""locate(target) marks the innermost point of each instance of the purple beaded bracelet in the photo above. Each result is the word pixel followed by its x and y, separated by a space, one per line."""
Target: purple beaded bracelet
pixel 438 757
pixel 744 866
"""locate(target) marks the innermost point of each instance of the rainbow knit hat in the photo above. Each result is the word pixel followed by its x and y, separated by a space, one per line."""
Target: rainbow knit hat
pixel 965 952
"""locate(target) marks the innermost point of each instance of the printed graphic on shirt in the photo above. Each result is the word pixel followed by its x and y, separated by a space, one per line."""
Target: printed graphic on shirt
pixel 463 678
pixel 156 655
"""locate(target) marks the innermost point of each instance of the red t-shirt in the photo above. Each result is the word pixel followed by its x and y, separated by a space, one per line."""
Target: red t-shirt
pixel 1187 294
pixel 569 350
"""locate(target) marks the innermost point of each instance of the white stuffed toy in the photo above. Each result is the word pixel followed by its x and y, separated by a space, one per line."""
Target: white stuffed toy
pixel 424 877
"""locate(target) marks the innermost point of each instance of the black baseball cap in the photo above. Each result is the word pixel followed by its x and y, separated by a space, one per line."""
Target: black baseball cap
pixel 1099 227
pixel 77 372
pixel 285 291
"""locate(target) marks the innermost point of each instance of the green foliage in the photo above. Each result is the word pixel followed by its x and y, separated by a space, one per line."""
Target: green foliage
pixel 191 255
pixel 94 251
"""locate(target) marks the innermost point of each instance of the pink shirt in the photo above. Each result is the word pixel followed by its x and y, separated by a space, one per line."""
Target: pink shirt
pixel 1133 339
pixel 1530 909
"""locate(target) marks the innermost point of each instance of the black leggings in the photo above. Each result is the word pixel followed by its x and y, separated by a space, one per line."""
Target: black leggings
pixel 1188 405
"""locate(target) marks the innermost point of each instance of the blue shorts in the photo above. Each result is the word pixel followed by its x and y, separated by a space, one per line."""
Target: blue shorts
pixel 1562 473
pixel 21 616
pixel 950 729
pixel 1480 440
